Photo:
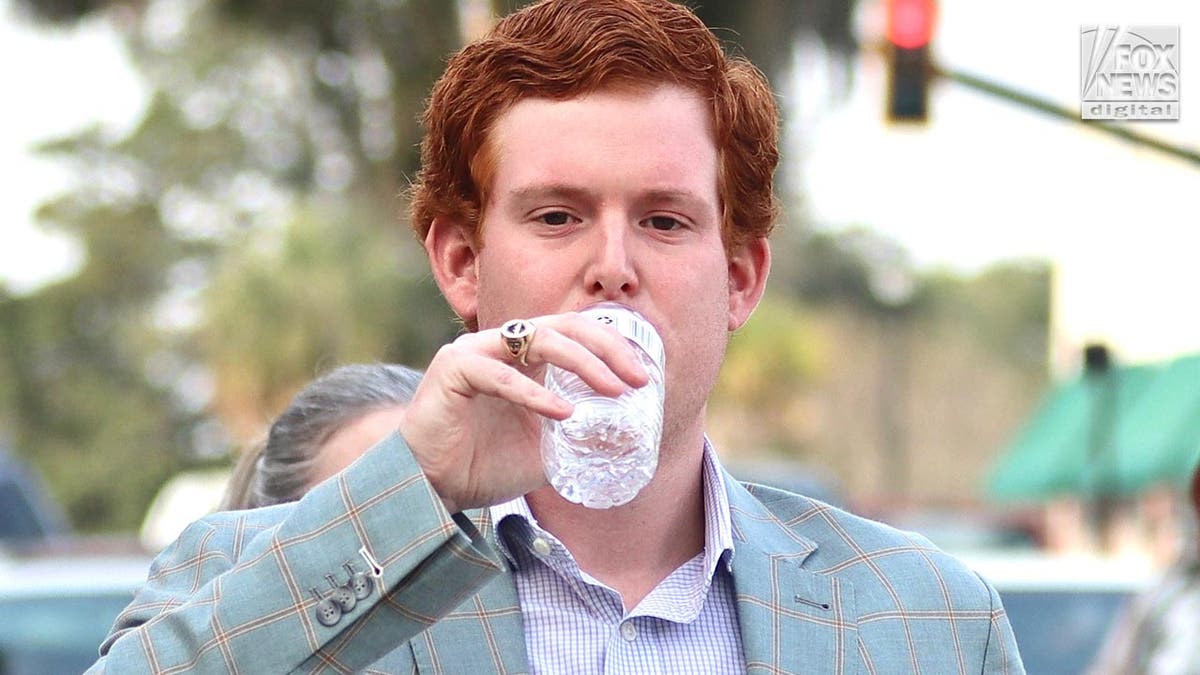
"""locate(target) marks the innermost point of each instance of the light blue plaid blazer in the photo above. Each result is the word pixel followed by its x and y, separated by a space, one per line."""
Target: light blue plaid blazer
pixel 818 590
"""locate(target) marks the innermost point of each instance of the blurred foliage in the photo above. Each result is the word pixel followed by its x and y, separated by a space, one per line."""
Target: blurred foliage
pixel 893 379
pixel 247 234
pixel 765 30
pixel 850 267
pixel 266 170
pixel 336 289
pixel 1007 307
pixel 77 398
pixel 778 329
pixel 766 379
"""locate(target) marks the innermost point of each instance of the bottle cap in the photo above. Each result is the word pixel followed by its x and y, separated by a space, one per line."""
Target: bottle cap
pixel 633 326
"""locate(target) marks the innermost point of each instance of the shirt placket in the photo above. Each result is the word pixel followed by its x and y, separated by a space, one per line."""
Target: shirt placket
pixel 630 646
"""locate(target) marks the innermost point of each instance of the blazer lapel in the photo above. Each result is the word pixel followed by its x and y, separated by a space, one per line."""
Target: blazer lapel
pixel 792 620
pixel 483 635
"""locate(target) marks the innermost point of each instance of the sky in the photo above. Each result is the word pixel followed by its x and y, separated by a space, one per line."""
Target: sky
pixel 81 78
pixel 983 181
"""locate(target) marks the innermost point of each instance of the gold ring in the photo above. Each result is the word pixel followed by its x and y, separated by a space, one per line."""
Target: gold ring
pixel 517 335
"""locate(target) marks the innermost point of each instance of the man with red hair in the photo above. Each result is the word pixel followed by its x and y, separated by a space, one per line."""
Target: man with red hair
pixel 584 151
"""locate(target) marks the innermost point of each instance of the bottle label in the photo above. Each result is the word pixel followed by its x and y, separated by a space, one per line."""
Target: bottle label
pixel 633 326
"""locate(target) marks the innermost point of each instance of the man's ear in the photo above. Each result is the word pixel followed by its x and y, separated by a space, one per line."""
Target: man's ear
pixel 452 257
pixel 749 265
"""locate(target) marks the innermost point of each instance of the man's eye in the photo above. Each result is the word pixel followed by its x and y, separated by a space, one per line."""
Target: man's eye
pixel 555 218
pixel 663 223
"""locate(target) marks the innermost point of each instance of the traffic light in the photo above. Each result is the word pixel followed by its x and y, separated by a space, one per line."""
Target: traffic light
pixel 909 30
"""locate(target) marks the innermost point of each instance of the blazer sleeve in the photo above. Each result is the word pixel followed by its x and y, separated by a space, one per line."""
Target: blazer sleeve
pixel 231 596
pixel 1001 654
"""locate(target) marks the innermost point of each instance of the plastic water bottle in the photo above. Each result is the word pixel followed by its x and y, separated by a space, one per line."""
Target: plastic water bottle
pixel 607 450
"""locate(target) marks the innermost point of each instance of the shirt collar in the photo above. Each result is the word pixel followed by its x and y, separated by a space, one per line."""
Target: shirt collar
pixel 718 530
pixel 514 527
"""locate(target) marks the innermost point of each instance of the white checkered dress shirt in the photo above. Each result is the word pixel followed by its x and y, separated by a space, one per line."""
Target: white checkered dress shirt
pixel 576 624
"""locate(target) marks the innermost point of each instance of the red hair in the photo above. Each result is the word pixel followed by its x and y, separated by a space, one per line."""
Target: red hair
pixel 563 49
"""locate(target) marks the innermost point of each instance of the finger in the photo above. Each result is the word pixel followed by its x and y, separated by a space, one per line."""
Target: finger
pixel 470 374
pixel 606 344
pixel 598 354
pixel 553 347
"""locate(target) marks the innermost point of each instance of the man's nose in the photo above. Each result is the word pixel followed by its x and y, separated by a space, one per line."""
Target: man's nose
pixel 612 273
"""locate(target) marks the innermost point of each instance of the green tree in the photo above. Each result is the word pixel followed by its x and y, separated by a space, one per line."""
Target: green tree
pixel 329 290
pixel 1007 307
pixel 77 393
pixel 765 383
pixel 257 115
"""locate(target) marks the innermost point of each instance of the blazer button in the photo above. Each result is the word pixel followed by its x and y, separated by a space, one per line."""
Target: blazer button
pixel 360 583
pixel 328 612
pixel 342 595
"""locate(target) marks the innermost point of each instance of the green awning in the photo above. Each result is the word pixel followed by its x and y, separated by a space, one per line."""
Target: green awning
pixel 1159 439
pixel 1028 464
pixel 1067 445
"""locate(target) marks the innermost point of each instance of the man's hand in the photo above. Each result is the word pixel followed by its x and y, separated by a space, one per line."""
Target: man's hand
pixel 474 424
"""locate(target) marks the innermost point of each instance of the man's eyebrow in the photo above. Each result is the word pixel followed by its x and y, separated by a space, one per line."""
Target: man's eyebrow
pixel 575 193
pixel 552 191
pixel 674 196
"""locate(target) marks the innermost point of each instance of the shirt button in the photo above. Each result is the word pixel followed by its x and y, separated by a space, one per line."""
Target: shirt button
pixel 629 631
pixel 541 546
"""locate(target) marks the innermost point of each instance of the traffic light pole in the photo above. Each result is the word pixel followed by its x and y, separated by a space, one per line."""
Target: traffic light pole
pixel 1042 105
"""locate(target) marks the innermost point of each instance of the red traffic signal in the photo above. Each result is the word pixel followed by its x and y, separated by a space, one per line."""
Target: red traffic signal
pixel 910 22
pixel 909 31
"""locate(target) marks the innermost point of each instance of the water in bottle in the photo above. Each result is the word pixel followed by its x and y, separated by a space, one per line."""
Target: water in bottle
pixel 607 450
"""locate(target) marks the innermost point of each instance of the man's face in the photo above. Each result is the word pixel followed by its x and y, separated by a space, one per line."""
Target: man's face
pixel 613 197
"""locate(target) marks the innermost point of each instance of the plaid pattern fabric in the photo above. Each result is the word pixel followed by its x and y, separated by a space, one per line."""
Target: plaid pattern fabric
pixel 818 590
pixel 867 599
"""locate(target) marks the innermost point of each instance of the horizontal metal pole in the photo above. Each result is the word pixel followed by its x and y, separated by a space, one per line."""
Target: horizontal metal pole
pixel 1027 100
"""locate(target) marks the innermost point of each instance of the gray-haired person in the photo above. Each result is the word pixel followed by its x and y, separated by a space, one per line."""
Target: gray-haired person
pixel 327 426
